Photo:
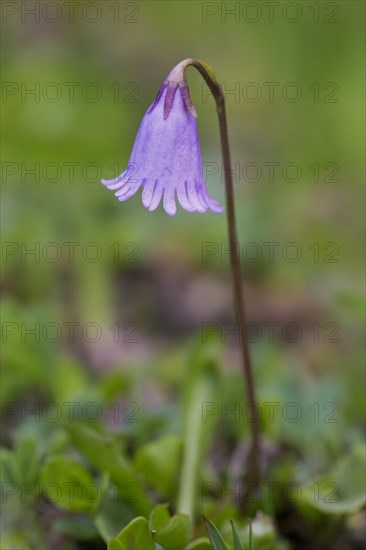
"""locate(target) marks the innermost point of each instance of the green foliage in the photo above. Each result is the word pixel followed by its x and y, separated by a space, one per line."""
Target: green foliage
pixel 342 489
pixel 22 464
pixel 237 545
pixel 260 533
pixel 135 536
pixel 159 462
pixel 104 453
pixel 202 543
pixel 214 535
pixel 256 535
pixel 73 480
pixel 170 532
pixel 201 387
pixel 112 514
pixel 112 485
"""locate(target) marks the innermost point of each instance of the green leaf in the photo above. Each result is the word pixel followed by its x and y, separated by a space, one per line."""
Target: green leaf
pixel 111 516
pixel 7 474
pixel 105 453
pixel 214 535
pixel 159 462
pixel 175 534
pixel 21 468
pixel 20 539
pixel 78 527
pixel 250 535
pixel 159 517
pixel 260 533
pixel 113 383
pixel 69 483
pixel 170 532
pixel 237 545
pixel 26 461
pixel 135 536
pixel 201 543
pixel 200 388
pixel 342 490
pixel 69 381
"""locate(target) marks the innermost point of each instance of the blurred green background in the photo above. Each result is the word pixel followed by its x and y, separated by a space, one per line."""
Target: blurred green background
pixel 137 282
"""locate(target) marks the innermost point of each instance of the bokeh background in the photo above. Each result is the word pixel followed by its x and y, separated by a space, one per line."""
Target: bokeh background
pixel 117 297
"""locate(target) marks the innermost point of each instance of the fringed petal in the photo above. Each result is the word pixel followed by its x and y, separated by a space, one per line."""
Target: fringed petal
pixel 166 159
pixel 156 197
pixel 169 201
pixel 128 190
pixel 147 192
pixel 183 198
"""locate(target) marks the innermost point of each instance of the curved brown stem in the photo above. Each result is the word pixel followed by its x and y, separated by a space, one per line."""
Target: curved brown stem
pixel 253 473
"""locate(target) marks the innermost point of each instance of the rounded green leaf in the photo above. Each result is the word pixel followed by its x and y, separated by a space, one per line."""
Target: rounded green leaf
pixel 135 536
pixel 170 532
pixel 159 517
pixel 68 484
pixel 159 462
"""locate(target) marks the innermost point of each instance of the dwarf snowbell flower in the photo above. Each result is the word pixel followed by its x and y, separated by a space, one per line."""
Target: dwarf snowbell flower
pixel 166 156
pixel 165 160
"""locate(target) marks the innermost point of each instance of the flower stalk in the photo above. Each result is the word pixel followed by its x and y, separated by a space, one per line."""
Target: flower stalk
pixel 253 470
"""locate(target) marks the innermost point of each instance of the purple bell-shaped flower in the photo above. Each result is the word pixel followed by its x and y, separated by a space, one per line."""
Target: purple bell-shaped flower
pixel 166 158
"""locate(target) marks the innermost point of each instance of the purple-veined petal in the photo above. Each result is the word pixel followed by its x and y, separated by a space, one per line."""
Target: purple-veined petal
pixel 156 197
pixel 194 197
pixel 148 192
pixel 183 198
pixel 158 96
